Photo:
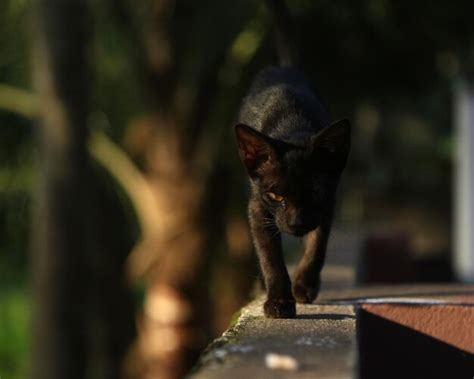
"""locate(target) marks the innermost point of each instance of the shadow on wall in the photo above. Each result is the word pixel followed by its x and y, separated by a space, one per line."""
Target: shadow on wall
pixel 389 349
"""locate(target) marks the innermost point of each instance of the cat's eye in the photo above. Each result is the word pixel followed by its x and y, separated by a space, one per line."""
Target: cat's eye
pixel 273 196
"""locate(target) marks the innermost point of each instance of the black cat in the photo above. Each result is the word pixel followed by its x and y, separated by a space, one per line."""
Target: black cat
pixel 294 160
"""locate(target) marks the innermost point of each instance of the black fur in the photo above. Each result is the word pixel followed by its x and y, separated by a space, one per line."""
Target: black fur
pixel 290 153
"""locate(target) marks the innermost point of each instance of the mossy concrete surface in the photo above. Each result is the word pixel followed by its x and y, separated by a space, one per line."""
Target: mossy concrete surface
pixel 322 339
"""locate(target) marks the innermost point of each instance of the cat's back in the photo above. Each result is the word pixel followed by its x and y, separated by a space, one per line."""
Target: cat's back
pixel 278 94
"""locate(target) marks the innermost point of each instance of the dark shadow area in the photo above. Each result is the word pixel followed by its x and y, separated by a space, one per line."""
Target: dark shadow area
pixel 389 350
pixel 434 269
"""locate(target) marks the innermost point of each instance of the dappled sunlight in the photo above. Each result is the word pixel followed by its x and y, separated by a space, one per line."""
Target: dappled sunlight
pixel 165 305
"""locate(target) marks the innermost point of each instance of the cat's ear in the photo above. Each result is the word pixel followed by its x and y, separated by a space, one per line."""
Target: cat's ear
pixel 331 146
pixel 254 148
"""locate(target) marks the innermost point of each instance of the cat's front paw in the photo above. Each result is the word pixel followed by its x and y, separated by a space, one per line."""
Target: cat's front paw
pixel 305 293
pixel 279 308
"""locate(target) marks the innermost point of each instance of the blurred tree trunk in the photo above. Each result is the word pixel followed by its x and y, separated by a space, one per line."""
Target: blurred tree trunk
pixel 82 319
pixel 189 181
pixel 60 244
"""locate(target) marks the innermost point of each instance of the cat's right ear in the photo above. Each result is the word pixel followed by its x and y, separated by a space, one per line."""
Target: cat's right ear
pixel 254 148
pixel 331 146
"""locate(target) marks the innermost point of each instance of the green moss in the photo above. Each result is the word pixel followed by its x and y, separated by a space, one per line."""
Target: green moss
pixel 234 319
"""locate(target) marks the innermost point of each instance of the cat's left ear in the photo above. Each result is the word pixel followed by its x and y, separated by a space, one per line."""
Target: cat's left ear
pixel 331 146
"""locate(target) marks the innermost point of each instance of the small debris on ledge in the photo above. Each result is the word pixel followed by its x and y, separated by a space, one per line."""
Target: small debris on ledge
pixel 281 362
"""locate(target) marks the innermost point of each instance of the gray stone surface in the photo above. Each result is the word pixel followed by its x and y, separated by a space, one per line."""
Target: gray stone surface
pixel 321 339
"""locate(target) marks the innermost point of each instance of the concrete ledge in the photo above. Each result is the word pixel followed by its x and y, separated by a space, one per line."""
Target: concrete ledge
pixel 323 341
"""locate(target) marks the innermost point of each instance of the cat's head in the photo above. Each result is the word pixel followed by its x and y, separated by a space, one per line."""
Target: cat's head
pixel 296 184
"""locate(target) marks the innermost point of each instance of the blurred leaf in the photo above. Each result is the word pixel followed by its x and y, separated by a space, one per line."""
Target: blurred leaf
pixel 18 101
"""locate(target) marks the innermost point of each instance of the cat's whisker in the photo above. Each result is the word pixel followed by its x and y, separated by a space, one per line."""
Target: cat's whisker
pixel 276 232
pixel 272 227
pixel 269 222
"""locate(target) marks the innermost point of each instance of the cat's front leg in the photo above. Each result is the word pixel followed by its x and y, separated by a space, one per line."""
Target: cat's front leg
pixel 267 240
pixel 307 279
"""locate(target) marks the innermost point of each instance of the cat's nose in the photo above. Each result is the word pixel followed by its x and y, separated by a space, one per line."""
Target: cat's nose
pixel 296 225
pixel 294 219
pixel 297 229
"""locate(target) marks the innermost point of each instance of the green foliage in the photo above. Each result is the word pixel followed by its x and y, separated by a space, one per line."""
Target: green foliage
pixel 14 331
pixel 16 178
pixel 394 57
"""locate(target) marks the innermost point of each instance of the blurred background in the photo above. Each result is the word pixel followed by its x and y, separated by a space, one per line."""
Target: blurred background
pixel 124 246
